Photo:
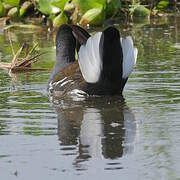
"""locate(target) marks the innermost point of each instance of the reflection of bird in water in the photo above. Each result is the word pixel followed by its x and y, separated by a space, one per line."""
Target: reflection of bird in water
pixel 104 63
pixel 104 128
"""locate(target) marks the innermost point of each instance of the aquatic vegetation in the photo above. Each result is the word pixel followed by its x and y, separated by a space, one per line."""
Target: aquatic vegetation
pixel 2 10
pixel 163 4
pixel 83 12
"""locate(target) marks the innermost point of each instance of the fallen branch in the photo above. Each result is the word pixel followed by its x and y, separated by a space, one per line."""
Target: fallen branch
pixel 19 64
pixel 5 65
pixel 9 36
pixel 15 58
pixel 27 69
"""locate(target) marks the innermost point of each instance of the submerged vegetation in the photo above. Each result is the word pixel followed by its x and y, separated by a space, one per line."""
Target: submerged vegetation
pixel 84 12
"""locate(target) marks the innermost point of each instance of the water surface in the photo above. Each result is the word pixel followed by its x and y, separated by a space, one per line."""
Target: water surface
pixel 99 137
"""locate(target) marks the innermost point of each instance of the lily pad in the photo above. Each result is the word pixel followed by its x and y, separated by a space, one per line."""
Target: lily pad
pixel 13 12
pixel 87 11
pixel 59 3
pixel 94 16
pixel 2 10
pixel 84 5
pixel 163 4
pixel 24 8
pixel 59 20
pixel 112 7
pixel 69 7
pixel 141 11
pixel 47 8
pixel 13 3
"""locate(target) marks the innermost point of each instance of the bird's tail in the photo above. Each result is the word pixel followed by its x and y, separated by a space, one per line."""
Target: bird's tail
pixel 107 59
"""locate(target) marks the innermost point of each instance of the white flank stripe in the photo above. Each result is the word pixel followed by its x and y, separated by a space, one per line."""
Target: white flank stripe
pixel 129 56
pixel 89 59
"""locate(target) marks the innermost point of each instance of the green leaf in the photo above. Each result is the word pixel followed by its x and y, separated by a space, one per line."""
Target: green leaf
pixel 13 3
pixel 24 8
pixel 94 16
pixel 112 7
pixel 59 3
pixel 141 11
pixel 69 7
pixel 47 8
pixel 85 5
pixel 163 4
pixel 102 2
pixel 13 12
pixel 2 10
pixel 59 20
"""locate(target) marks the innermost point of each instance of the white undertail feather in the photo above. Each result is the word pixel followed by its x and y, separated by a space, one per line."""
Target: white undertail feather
pixel 89 59
pixel 129 56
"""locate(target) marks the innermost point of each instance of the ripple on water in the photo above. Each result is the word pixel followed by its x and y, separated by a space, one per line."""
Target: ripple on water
pixel 96 137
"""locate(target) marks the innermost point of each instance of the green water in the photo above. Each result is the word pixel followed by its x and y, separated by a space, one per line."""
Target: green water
pixel 94 138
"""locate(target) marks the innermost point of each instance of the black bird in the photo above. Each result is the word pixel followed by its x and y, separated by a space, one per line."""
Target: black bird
pixel 104 62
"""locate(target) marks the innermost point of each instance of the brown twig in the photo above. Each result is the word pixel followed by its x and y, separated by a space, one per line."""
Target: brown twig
pixel 9 37
pixel 19 64
pixel 5 65
pixel 15 58
pixel 33 49
pixel 26 69
pixel 27 62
